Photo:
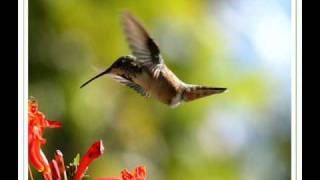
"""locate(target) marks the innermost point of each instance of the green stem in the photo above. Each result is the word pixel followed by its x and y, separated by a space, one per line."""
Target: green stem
pixel 30 172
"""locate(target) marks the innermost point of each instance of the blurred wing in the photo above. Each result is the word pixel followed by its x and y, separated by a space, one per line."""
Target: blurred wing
pixel 130 84
pixel 142 45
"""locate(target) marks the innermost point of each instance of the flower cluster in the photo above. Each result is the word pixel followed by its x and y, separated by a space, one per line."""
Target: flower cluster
pixel 56 169
pixel 36 126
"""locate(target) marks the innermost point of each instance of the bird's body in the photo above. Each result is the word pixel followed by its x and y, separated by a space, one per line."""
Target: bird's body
pixel 165 87
pixel 145 71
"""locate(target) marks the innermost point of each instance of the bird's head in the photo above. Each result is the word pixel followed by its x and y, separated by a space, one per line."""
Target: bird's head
pixel 117 68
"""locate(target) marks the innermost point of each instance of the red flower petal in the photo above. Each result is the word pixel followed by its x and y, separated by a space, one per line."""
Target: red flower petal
pixel 53 124
pixel 140 173
pixel 126 175
pixel 35 157
pixel 47 176
pixel 95 151
pixel 55 170
pixel 47 171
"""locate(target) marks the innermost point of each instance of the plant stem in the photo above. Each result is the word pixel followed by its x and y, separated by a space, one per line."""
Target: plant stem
pixel 30 172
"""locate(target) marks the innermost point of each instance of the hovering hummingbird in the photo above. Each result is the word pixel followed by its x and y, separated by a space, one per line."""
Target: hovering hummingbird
pixel 145 71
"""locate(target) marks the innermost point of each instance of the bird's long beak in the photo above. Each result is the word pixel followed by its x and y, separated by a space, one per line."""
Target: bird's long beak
pixel 97 76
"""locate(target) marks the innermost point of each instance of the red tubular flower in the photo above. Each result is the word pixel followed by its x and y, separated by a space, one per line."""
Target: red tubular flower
pixel 55 170
pixel 140 173
pixel 36 126
pixel 36 157
pixel 95 151
pixel 57 167
pixel 60 162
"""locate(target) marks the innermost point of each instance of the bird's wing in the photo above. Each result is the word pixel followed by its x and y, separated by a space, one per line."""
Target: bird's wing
pixel 130 84
pixel 142 45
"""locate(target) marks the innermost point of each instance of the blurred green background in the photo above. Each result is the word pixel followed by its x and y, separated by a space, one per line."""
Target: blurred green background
pixel 242 45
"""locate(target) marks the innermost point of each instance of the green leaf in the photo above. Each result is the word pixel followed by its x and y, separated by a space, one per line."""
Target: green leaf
pixel 76 160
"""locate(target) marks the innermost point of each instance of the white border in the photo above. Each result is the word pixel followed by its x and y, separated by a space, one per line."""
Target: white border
pixel 22 90
pixel 296 138
pixel 296 90
pixel 21 163
pixel 293 91
pixel 26 82
pixel 299 90
pixel 296 93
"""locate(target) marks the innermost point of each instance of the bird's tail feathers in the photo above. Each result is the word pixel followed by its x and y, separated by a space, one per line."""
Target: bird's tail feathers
pixel 193 92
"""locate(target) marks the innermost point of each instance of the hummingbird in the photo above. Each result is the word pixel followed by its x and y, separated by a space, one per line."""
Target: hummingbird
pixel 145 71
